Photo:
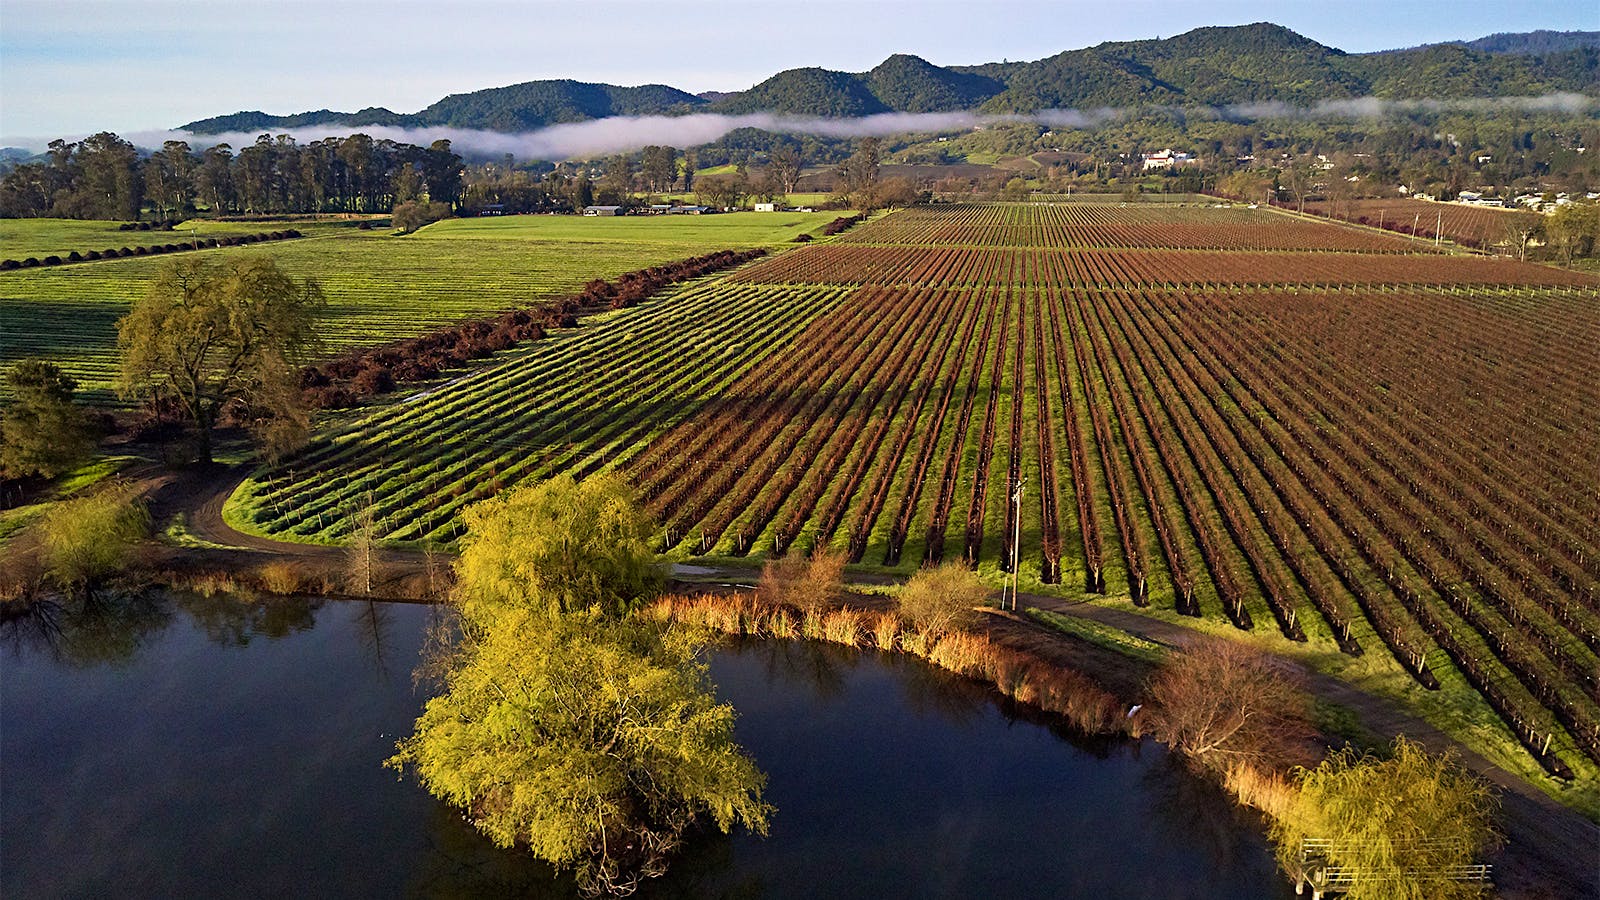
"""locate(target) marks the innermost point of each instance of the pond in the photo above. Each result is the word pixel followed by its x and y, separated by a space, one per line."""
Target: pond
pixel 187 746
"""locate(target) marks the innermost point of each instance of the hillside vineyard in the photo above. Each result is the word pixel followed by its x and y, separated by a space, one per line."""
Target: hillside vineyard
pixel 1236 414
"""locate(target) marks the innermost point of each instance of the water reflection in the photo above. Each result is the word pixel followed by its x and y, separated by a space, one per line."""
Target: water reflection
pixel 233 620
pixel 112 627
pixel 1198 813
pixel 89 628
pixel 372 621
pixel 813 663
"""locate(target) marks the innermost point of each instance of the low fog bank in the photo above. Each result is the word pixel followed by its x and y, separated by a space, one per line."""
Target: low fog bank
pixel 621 134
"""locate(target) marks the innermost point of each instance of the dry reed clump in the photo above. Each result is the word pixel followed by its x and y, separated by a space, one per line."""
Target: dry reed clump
pixel 281 578
pixel 1016 672
pixel 811 625
pixel 210 584
pixel 780 624
pixel 1269 792
pixel 886 629
pixel 842 626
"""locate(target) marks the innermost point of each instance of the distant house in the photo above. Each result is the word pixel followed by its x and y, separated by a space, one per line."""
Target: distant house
pixel 602 210
pixel 688 210
pixel 1166 159
pixel 492 209
pixel 766 207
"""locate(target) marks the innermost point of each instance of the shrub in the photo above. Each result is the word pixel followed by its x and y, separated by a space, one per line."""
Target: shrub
pixel 31 262
pixel 74 256
pixel 808 583
pixel 8 265
pixel 374 380
pixel 281 578
pixel 90 538
pixel 92 254
pixel 941 598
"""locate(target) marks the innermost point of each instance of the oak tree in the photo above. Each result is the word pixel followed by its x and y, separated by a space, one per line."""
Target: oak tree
pixel 207 334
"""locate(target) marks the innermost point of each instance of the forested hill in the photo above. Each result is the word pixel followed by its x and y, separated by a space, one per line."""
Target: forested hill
pixel 1532 42
pixel 1204 67
pixel 517 107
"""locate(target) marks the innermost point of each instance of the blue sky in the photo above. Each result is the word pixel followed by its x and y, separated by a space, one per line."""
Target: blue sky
pixel 70 67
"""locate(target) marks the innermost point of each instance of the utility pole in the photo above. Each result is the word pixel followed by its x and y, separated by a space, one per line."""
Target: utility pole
pixel 1437 237
pixel 1016 541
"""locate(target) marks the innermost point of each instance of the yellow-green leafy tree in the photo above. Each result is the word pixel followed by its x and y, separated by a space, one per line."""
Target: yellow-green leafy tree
pixel 556 547
pixel 1402 824
pixel 592 743
pixel 567 726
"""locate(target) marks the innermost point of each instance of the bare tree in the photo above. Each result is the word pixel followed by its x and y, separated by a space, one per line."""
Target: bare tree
pixel 785 165
pixel 1519 232
pixel 1222 703
pixel 362 551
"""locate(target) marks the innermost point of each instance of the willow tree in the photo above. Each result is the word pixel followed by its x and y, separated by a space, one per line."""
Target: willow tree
pixel 560 546
pixel 207 334
pixel 591 742
pixel 568 726
pixel 1403 826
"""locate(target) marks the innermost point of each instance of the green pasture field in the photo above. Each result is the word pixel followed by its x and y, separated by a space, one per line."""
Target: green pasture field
pixel 380 287
pixel 22 238
pixel 716 231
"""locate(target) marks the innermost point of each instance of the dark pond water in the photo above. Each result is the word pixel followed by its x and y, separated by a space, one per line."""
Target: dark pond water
pixel 189 747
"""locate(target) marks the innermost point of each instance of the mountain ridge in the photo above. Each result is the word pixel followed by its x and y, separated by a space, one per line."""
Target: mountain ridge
pixel 1210 66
